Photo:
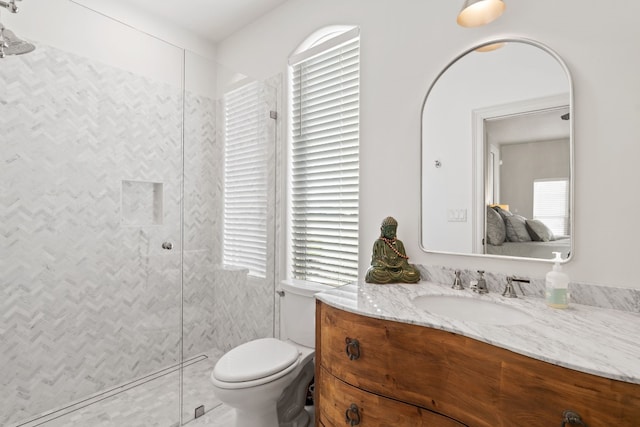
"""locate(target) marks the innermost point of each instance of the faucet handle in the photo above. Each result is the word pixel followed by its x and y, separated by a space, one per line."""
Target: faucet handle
pixel 509 290
pixel 519 283
pixel 457 281
pixel 481 283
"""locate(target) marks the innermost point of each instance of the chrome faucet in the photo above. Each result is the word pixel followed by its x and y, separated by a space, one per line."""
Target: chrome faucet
pixel 481 284
pixel 509 289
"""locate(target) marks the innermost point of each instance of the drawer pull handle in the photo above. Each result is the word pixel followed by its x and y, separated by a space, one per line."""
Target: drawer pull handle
pixel 570 417
pixel 353 415
pixel 353 348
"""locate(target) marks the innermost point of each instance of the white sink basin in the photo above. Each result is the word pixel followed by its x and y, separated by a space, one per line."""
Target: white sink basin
pixel 472 310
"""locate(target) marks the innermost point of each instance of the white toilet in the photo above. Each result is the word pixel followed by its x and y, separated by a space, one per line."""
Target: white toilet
pixel 266 380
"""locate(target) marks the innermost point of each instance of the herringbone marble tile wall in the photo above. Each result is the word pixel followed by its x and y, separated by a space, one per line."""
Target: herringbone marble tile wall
pixel 80 290
pixel 89 301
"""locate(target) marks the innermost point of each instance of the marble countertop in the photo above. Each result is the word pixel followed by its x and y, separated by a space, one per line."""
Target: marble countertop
pixel 594 340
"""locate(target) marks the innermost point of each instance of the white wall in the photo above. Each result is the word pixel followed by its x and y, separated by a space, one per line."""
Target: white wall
pixel 113 35
pixel 523 163
pixel 405 43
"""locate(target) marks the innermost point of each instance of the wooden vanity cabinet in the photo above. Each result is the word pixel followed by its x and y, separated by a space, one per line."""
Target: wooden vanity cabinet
pixel 407 375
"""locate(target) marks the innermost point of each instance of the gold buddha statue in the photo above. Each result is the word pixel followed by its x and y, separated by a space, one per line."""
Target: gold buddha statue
pixel 389 262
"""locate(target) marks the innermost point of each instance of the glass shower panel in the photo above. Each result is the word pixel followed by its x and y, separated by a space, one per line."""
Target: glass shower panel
pixel 223 305
pixel 90 202
pixel 202 195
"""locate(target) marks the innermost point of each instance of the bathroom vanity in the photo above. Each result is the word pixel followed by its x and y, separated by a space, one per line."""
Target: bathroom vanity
pixel 383 360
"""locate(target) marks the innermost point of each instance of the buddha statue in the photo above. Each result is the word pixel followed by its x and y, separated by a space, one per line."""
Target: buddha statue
pixel 389 260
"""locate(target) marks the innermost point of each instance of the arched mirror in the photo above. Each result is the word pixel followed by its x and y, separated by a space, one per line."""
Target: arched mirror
pixel 497 154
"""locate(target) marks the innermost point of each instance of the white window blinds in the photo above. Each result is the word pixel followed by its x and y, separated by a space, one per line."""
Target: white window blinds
pixel 324 163
pixel 551 204
pixel 245 179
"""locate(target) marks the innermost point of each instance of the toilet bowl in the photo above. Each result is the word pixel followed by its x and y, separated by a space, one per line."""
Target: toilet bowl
pixel 265 380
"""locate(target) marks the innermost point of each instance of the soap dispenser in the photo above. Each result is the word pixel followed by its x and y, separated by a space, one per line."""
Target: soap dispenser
pixel 557 285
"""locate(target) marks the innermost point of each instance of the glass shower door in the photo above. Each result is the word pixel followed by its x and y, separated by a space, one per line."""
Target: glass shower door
pixel 224 304
pixel 90 228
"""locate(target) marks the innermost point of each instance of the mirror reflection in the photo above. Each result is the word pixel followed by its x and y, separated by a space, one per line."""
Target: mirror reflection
pixel 497 150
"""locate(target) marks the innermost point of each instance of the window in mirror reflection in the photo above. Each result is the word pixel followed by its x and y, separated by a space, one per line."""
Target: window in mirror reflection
pixel 551 204
pixel 499 120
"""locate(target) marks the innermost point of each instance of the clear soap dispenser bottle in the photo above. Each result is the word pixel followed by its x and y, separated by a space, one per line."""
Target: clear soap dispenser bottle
pixel 557 285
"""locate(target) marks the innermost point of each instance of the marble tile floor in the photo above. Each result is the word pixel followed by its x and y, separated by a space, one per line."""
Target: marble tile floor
pixel 151 404
pixel 222 416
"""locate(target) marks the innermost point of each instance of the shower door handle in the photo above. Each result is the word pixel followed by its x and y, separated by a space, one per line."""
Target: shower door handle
pixel 167 245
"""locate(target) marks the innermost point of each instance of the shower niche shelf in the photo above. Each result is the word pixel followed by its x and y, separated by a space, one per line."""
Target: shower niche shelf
pixel 141 203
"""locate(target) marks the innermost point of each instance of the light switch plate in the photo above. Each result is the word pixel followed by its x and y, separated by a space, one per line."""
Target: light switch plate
pixel 456 215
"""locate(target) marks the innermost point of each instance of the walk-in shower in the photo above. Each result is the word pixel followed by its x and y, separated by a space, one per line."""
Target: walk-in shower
pixel 10 44
pixel 111 145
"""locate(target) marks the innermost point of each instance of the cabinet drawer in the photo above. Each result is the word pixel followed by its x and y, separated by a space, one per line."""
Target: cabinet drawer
pixel 425 367
pixel 537 393
pixel 336 399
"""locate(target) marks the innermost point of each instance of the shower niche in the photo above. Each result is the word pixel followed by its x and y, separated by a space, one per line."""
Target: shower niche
pixel 141 203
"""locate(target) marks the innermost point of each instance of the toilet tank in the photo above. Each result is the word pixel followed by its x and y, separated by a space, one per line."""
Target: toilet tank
pixel 299 311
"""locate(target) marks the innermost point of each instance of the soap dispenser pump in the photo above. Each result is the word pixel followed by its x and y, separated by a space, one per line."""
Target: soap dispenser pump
pixel 557 285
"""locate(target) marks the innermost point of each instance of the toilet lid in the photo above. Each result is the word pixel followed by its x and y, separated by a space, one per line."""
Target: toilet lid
pixel 254 360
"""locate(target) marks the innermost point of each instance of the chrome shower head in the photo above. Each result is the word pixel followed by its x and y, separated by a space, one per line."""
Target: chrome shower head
pixel 11 5
pixel 10 44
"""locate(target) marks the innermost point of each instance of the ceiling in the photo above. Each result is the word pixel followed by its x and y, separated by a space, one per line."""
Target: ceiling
pixel 540 126
pixel 213 20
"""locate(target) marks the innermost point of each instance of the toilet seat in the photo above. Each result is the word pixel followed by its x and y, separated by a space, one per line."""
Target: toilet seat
pixel 256 362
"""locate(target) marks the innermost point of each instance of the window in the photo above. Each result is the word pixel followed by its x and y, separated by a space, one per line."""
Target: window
pixel 245 179
pixel 551 204
pixel 323 169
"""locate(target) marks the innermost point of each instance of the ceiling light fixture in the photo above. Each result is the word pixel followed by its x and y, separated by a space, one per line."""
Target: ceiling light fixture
pixel 475 13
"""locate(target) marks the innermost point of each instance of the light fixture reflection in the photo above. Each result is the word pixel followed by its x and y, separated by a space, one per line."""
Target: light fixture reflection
pixel 490 47
pixel 479 12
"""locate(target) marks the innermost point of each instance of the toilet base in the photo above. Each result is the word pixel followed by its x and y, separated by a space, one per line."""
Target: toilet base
pixel 301 420
pixel 291 411
pixel 276 403
pixel 287 411
pixel 266 418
